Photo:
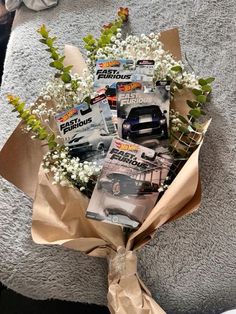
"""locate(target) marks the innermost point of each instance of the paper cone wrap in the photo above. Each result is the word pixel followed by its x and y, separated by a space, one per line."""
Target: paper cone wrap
pixel 59 212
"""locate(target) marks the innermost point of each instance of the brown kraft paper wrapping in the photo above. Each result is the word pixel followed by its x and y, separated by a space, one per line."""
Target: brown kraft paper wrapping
pixel 59 212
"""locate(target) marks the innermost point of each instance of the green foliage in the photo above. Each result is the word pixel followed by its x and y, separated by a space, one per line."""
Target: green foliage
pixel 93 44
pixel 39 131
pixel 177 68
pixel 57 63
pixel 200 98
pixel 190 124
pixel 209 80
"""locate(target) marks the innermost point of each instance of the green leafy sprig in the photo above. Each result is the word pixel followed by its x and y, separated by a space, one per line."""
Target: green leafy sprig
pixel 189 129
pixel 200 94
pixel 107 32
pixel 57 59
pixel 34 124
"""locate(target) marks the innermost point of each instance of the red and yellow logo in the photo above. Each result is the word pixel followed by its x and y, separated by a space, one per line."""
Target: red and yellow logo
pixel 124 146
pixel 109 64
pixel 129 87
pixel 68 115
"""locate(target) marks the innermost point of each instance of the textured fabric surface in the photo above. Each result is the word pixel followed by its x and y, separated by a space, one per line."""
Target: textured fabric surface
pixel 190 265
pixel 36 5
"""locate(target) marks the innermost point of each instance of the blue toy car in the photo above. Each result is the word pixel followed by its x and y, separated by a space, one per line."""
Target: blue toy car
pixel 145 120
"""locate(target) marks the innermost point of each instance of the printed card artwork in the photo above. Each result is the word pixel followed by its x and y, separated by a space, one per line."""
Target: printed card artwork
pixel 127 188
pixel 143 115
pixel 108 72
pixel 87 129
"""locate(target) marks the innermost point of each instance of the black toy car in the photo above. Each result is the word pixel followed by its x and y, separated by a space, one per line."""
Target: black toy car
pixel 122 184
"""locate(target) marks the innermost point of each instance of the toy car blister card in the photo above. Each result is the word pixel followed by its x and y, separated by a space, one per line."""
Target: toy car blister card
pixel 127 188
pixel 143 116
pixel 144 70
pixel 87 129
pixel 107 73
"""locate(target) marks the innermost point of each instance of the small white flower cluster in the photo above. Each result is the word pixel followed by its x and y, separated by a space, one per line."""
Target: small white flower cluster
pixel 69 171
pixel 163 186
pixel 175 121
pixel 64 95
pixel 149 48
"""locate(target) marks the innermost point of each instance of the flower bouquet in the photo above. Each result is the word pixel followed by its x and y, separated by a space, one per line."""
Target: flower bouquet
pixel 100 99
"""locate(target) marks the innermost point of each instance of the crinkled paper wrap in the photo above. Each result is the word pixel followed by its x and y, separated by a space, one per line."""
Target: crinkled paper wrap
pixel 59 212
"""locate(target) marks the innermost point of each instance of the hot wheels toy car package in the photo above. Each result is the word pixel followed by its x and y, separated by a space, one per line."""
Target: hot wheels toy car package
pixel 109 71
pixel 87 129
pixel 144 70
pixel 127 188
pixel 143 116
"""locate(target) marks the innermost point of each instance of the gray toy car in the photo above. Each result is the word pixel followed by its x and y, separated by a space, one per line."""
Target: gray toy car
pixel 90 141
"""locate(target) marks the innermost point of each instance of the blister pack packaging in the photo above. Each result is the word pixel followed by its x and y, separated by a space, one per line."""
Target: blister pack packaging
pixel 143 115
pixel 87 129
pixel 128 186
pixel 109 71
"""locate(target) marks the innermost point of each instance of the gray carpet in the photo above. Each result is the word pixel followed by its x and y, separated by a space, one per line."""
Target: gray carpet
pixel 190 265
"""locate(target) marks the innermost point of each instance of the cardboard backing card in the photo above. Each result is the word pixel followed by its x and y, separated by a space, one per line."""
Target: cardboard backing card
pixel 143 114
pixel 110 71
pixel 127 188
pixel 87 129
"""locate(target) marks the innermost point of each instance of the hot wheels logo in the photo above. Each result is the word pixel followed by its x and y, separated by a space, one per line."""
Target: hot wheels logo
pixel 67 115
pixel 129 87
pixel 109 64
pixel 123 146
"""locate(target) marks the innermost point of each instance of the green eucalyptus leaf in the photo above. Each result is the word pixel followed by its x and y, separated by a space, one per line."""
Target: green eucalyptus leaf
pixel 66 78
pixel 197 92
pixel 61 59
pixel 89 48
pixel 42 40
pixel 92 42
pixel 88 38
pixel 36 128
pixel 206 88
pixel 42 136
pixel 20 107
pixel 58 64
pixel 68 68
pixel 54 55
pixel 183 119
pixel 43 31
pixel 191 104
pixel 196 113
pixel 176 68
pixel 49 42
pixel 210 80
pixel 52 145
pixel 25 114
pixel 201 98
pixel 202 82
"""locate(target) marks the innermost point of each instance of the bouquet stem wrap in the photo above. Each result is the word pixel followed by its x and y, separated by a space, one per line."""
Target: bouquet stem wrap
pixel 59 212
pixel 126 292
